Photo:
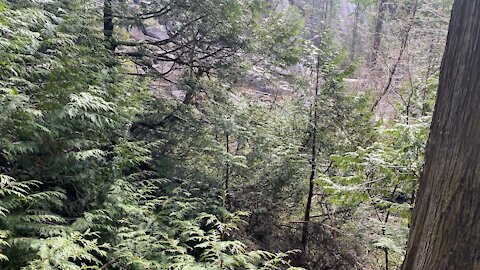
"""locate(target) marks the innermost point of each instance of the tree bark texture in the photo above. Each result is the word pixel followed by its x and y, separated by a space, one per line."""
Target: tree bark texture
pixel 446 221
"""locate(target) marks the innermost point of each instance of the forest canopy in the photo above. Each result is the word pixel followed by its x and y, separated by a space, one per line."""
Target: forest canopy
pixel 214 134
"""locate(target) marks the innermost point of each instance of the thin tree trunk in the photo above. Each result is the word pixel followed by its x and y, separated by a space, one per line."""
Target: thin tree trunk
pixel 384 229
pixel 377 37
pixel 446 230
pixel 403 47
pixel 313 163
pixel 228 198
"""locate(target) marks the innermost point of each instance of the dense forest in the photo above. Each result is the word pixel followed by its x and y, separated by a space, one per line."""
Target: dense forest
pixel 239 134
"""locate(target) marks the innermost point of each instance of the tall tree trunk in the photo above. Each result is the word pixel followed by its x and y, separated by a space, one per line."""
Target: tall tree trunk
pixel 377 36
pixel 355 33
pixel 446 224
pixel 313 163
pixel 108 24
pixel 330 17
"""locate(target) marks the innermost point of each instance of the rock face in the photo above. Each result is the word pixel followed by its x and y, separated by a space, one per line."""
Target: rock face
pixel 150 33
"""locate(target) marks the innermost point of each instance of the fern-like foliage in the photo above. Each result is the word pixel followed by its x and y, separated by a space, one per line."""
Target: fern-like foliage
pixel 147 227
pixel 37 237
pixel 172 232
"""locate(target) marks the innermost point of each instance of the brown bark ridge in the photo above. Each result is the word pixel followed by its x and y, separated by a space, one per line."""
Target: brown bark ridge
pixel 446 220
